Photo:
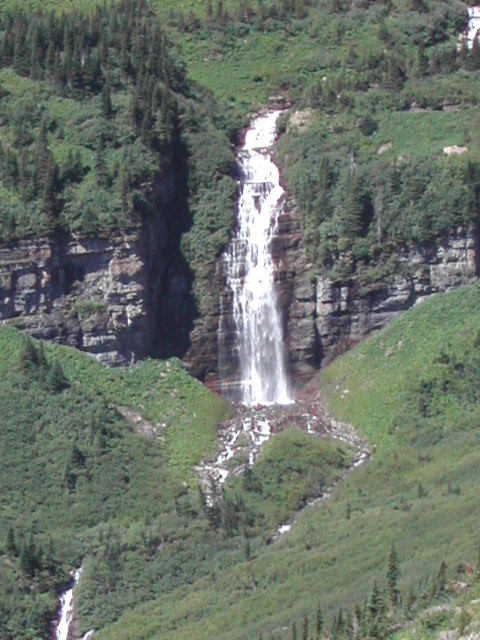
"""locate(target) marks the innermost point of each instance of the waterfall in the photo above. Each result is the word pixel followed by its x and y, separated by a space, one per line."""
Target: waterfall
pixel 473 30
pixel 257 343
pixel 65 616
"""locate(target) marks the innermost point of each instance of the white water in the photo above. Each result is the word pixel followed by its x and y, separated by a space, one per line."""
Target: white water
pixel 473 25
pixel 66 609
pixel 250 271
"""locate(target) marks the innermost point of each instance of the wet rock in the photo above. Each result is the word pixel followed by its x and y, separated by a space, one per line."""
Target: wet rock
pixel 454 150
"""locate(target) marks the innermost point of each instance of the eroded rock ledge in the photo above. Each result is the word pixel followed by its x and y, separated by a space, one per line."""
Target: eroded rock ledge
pixel 325 317
pixel 128 297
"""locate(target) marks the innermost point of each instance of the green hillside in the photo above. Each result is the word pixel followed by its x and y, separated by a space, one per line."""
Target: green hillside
pixel 97 471
pixel 73 469
pixel 98 102
pixel 363 75
pixel 413 390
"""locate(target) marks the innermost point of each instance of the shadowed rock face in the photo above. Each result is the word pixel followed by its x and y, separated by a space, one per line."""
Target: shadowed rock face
pixel 346 313
pixel 91 294
pixel 119 299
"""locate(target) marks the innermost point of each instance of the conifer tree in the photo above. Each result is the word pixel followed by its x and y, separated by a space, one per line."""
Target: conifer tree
pixel 477 568
pixel 107 109
pixel 393 572
pixel 422 61
pixel 441 579
pixel 11 545
pixel 50 187
pixel 318 623
pixel 305 628
pixel 293 635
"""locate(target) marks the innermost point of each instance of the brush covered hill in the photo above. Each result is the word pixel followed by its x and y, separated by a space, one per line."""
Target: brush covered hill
pixel 87 452
pixel 97 471
pixel 98 119
pixel 413 390
pixel 365 77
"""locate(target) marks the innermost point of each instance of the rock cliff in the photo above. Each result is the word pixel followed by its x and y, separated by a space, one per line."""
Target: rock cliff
pixel 119 299
pixel 128 297
pixel 325 317
pixel 322 317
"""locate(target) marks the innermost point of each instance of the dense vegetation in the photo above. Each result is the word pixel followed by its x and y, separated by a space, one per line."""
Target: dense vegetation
pixel 97 470
pixel 72 466
pixel 101 128
pixel 365 158
pixel 363 74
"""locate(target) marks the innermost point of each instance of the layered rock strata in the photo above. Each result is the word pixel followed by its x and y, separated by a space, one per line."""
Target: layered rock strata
pixel 119 299
pixel 325 317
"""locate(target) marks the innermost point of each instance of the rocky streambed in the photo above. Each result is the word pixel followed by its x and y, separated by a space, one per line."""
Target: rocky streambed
pixel 242 438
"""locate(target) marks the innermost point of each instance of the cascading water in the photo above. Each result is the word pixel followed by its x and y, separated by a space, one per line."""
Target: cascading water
pixel 252 358
pixel 250 272
pixel 66 609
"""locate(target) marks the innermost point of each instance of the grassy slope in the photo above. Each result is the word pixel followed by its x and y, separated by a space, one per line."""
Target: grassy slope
pixel 159 391
pixel 76 473
pixel 163 393
pixel 329 556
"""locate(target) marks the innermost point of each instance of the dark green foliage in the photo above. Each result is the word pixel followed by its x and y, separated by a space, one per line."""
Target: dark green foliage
pixel 374 205
pixel 105 94
pixel 11 545
pixel 77 59
pixel 393 573
pixel 318 623
pixel 70 464
pixel 293 468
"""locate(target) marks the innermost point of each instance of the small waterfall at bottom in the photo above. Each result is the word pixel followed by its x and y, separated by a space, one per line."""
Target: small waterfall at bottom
pixel 65 615
pixel 258 350
pixel 63 624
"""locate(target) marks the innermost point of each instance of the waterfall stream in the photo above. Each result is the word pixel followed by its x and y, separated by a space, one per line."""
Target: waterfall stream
pixel 258 342
pixel 65 615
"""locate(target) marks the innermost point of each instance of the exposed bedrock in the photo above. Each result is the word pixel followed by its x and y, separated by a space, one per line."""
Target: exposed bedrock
pixel 128 297
pixel 119 299
pixel 324 318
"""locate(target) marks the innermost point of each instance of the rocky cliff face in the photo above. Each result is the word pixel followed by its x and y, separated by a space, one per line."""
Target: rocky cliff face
pixel 90 294
pixel 326 318
pixel 119 299
pixel 130 297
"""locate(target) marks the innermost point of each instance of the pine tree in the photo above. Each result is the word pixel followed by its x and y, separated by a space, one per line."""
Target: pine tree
pixel 318 623
pixel 50 188
pixel 11 545
pixel 475 54
pixel 375 602
pixel 393 573
pixel 441 579
pixel 305 628
pixel 101 172
pixel 55 378
pixel 209 18
pixel 294 631
pixel 42 156
pixel 107 109
pixel 422 61
pixel 476 576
